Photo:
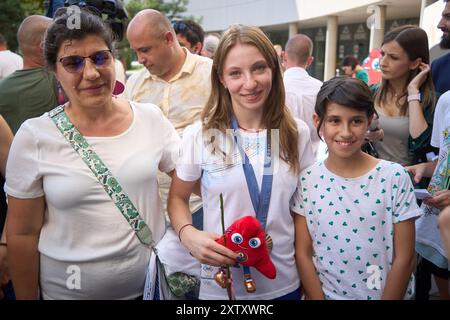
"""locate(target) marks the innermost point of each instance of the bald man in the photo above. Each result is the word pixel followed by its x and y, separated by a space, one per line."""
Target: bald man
pixel 173 78
pixel 301 88
pixel 31 91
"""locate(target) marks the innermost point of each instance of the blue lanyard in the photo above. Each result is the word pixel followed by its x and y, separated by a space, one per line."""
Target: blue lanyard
pixel 260 200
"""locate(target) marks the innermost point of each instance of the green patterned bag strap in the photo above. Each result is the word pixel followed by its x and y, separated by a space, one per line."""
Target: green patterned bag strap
pixel 446 182
pixel 102 173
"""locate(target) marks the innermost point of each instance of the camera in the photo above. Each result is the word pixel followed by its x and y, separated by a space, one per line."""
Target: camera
pixel 113 9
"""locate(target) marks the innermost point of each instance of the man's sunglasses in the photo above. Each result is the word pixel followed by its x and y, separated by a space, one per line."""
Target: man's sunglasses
pixel 75 64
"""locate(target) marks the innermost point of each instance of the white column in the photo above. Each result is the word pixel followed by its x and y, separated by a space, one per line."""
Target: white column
pixel 424 4
pixel 293 29
pixel 377 26
pixel 331 47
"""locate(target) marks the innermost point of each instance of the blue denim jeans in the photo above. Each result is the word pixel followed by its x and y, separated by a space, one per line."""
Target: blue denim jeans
pixel 294 295
pixel 197 219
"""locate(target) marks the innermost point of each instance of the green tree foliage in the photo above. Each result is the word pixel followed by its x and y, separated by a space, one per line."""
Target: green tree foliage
pixel 12 12
pixel 172 8
pixel 134 6
pixel 10 17
pixel 32 7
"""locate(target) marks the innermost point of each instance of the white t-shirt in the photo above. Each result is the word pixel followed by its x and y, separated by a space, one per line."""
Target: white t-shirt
pixel 83 229
pixel 427 229
pixel 196 161
pixel 351 224
pixel 9 62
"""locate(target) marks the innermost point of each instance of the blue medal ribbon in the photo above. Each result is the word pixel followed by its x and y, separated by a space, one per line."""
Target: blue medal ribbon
pixel 260 200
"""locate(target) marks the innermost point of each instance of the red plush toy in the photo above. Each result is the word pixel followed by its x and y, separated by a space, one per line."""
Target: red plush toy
pixel 247 238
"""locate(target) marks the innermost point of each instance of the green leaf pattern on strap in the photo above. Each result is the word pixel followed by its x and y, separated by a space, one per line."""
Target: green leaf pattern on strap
pixel 102 173
pixel 181 283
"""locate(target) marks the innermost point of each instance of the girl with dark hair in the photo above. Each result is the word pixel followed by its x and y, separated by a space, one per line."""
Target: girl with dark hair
pixel 405 98
pixel 355 213
pixel 247 96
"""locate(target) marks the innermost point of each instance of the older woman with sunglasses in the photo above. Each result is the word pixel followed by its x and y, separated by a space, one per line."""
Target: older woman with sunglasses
pixel 67 237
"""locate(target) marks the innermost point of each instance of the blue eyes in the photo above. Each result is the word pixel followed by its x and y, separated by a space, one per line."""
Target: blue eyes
pixel 254 243
pixel 238 239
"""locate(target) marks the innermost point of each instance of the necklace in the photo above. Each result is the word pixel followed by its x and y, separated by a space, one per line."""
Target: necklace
pixel 396 95
pixel 250 130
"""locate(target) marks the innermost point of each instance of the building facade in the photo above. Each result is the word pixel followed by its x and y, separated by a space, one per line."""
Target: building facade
pixel 337 28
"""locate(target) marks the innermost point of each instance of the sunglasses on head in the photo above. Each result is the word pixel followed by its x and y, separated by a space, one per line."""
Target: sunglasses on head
pixel 179 26
pixel 75 64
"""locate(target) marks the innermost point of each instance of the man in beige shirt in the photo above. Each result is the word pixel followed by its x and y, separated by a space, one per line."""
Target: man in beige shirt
pixel 174 79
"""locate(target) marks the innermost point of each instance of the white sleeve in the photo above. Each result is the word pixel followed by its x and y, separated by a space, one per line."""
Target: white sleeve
pixel 405 205
pixel 190 159
pixel 23 179
pixel 171 148
pixel 439 116
pixel 306 154
pixel 306 159
pixel 297 203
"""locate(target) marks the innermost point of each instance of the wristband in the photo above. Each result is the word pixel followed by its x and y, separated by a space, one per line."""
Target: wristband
pixel 181 229
pixel 3 244
pixel 414 97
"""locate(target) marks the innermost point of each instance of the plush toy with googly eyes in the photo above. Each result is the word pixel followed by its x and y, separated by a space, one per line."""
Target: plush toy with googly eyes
pixel 246 237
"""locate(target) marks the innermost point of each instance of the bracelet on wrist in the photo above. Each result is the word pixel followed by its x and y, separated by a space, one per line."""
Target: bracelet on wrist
pixel 181 229
pixel 3 244
pixel 414 97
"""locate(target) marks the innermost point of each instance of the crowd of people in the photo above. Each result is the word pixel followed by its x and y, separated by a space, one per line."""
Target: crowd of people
pixel 113 190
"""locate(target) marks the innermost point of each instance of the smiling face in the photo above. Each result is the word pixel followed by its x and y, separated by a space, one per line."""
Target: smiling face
pixel 92 86
pixel 343 130
pixel 394 62
pixel 247 77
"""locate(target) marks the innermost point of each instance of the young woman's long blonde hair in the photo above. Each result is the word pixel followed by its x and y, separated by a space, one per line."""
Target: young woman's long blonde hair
pixel 218 110
pixel 414 41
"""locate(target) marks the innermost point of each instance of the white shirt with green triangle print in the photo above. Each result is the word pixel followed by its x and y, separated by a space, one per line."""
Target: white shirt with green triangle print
pixel 351 223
